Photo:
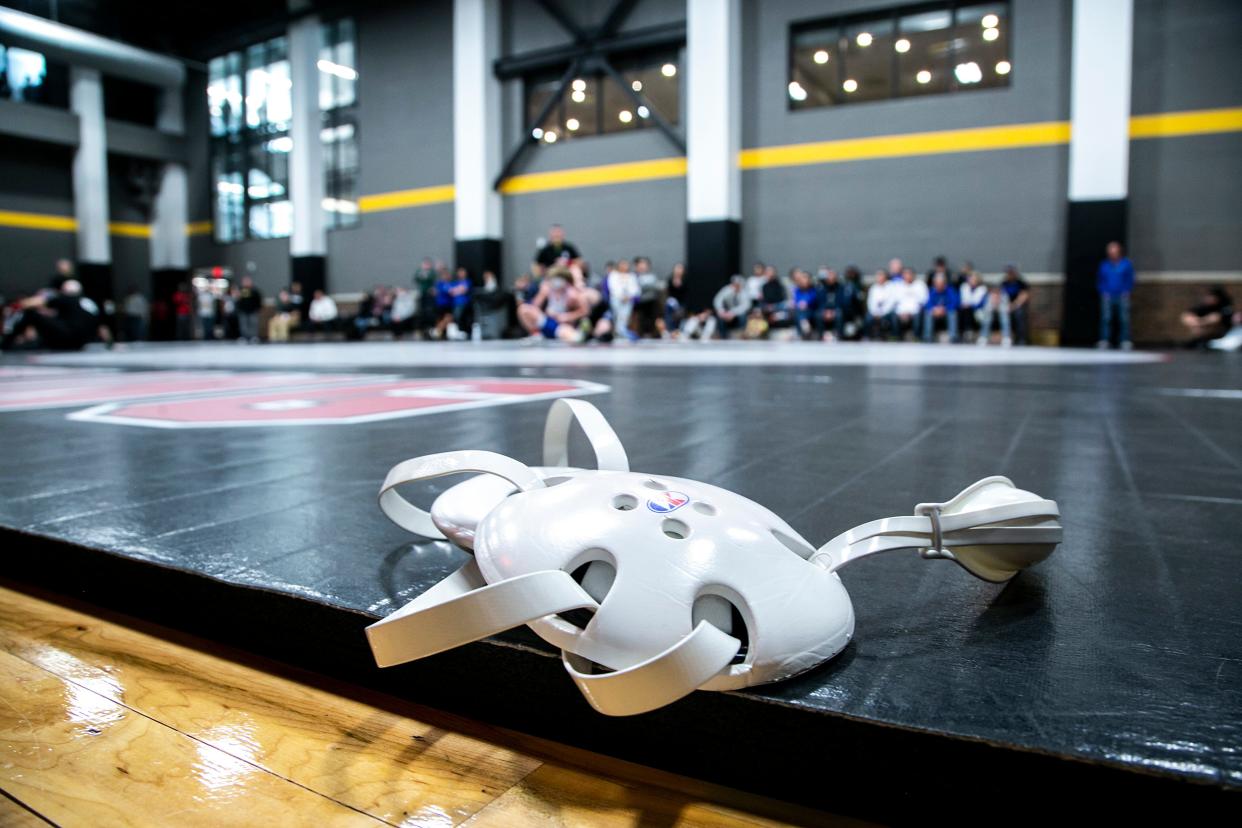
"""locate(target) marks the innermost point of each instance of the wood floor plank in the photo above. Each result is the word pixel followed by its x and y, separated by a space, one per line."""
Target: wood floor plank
pixel 389 766
pixel 79 757
pixel 13 815
pixel 562 796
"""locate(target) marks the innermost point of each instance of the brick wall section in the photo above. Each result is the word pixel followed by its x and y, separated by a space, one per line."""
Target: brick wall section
pixel 1155 310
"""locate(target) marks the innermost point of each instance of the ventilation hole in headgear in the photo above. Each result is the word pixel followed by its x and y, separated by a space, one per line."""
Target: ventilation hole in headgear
pixel 703 508
pixel 675 529
pixel 724 615
pixel 655 484
pixel 799 548
pixel 596 578
pixel 625 502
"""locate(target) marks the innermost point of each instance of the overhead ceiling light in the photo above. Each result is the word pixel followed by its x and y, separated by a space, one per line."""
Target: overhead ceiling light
pixel 572 124
pixel 902 45
pixel 536 133
pixel 643 112
pixel 637 86
pixel 625 116
pixel 578 95
pixel 863 39
pixel 796 92
pixel 850 85
pixel 923 76
pixel 549 137
pixel 821 56
pixel 990 21
pixel 968 72
pixel 668 70
pixel 991 34
pixel 1003 67
pixel 579 85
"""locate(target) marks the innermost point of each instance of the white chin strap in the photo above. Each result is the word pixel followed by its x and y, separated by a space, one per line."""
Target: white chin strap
pixel 992 529
pixel 609 456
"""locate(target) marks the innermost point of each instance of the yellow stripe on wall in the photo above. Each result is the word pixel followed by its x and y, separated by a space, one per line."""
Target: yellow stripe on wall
pixel 406 198
pixel 1194 122
pixel 198 228
pixel 131 229
pixel 595 176
pixel 37 221
pixel 976 139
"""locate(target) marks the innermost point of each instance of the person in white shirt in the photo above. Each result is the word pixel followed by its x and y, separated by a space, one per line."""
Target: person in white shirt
pixel 910 295
pixel 323 312
pixel 880 306
pixel 972 299
pixel 623 291
pixel 754 283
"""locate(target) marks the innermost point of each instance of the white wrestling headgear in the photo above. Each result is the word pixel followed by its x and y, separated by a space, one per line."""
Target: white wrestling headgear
pixel 687 586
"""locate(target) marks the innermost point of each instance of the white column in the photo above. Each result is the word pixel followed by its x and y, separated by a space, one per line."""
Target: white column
pixel 170 246
pixel 90 167
pixel 476 119
pixel 1099 157
pixel 306 186
pixel 713 109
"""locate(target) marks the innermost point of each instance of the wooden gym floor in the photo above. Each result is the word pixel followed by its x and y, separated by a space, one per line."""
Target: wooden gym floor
pixel 107 721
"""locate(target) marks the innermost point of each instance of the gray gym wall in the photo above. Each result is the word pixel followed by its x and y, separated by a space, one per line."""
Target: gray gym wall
pixel 643 218
pixel 34 178
pixel 1185 192
pixel 994 208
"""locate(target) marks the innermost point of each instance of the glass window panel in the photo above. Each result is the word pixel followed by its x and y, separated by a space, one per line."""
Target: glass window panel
pixel 23 73
pixel 816 60
pixel 867 60
pixel 924 48
pixel 224 94
pixel 581 107
pixel 981 56
pixel 620 111
pixel 595 104
pixel 660 90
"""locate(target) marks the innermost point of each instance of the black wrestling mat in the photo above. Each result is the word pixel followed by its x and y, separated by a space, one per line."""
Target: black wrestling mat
pixel 1110 674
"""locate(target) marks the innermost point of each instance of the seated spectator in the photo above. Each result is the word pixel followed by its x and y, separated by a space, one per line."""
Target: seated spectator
pixel 205 305
pixel 1231 341
pixel 881 320
pixel 374 312
pixel 940 265
pixel 674 301
pixel 809 308
pixel 649 307
pixel 460 290
pixel 136 312
pixel 556 310
pixel 404 313
pixel 754 283
pixel 491 307
pixel 833 303
pixel 282 320
pixel 1209 319
pixel 323 313
pixel 995 307
pixel 909 298
pixel 774 300
pixel 732 305
pixel 850 304
pixel 941 306
pixel 1019 294
pixel 623 291
pixel 972 300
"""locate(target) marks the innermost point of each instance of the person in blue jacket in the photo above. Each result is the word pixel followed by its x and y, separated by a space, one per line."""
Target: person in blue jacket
pixel 1115 281
pixel 941 305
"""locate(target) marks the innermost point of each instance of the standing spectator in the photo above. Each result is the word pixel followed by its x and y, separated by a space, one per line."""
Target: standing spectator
pixel 249 303
pixel 136 312
pixel 323 313
pixel 424 282
pixel 228 310
pixel 1018 292
pixel 205 305
pixel 881 304
pixel 279 325
pixel 732 303
pixel 556 250
pixel 809 308
pixel 623 291
pixel 972 300
pixel 674 301
pixel 1115 281
pixel 941 305
pixel 182 312
pixel 910 296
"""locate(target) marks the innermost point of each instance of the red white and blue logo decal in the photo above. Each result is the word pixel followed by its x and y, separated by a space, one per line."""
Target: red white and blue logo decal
pixel 666 502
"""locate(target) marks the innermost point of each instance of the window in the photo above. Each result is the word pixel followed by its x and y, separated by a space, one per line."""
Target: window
pixel 338 105
pixel 22 73
pixel 920 50
pixel 595 104
pixel 250 105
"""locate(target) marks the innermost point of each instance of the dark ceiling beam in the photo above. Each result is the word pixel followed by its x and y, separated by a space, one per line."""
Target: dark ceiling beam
pixel 672 35
pixel 615 19
pixel 563 19
pixel 528 138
